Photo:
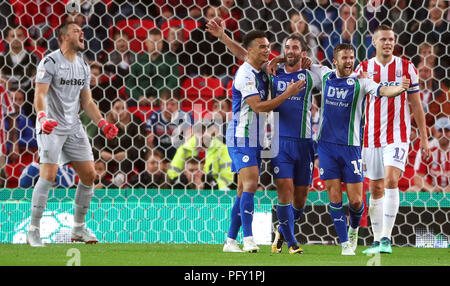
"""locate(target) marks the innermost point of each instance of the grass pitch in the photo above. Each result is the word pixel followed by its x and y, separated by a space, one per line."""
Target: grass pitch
pixel 103 254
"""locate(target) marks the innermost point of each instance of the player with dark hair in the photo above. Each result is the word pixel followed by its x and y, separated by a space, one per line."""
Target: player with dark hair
pixel 292 146
pixel 386 134
pixel 250 90
pixel 339 151
pixel 62 86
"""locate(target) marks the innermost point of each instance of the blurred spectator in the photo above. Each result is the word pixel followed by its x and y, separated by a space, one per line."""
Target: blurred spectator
pixel 208 55
pixel 166 125
pixel 298 24
pixel 102 181
pixel 232 15
pixel 39 16
pixel 182 9
pixel 206 147
pixel 398 15
pixel 127 9
pixel 192 176
pixel 18 65
pixel 322 14
pixel 6 112
pixel 433 173
pixel 266 15
pixel 154 176
pixel 121 58
pixel 153 72
pixel 23 127
pixel 407 179
pixel 105 90
pixel 6 15
pixel 123 154
pixel 435 100
pixel 346 32
pixel 434 29
pixel 65 177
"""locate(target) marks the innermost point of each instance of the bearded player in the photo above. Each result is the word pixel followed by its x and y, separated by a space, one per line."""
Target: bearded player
pixel 62 85
pixel 386 135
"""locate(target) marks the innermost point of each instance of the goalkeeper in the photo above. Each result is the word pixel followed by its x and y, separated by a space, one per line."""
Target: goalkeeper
pixel 217 160
pixel 62 86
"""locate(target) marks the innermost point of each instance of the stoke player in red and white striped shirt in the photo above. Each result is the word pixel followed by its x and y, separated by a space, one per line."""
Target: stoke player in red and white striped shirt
pixel 386 134
pixel 6 110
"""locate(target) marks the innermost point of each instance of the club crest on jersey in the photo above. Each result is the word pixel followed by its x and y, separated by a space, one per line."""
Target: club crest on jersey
pixel 398 73
pixel 350 81
pixel 276 170
pixel 301 77
pixel 245 159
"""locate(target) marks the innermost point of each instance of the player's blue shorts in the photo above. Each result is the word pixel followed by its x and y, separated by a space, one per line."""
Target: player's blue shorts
pixel 340 162
pixel 295 160
pixel 242 157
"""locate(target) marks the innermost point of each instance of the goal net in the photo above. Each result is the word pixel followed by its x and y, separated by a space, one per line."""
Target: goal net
pixel 163 80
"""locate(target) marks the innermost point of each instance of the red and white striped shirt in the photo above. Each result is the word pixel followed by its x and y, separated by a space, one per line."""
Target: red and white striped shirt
pixel 388 120
pixel 436 167
pixel 7 109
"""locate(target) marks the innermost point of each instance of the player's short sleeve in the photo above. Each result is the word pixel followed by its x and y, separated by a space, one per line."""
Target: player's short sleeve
pixel 319 71
pixel 316 80
pixel 46 70
pixel 368 86
pixel 414 77
pixel 246 84
pixel 87 78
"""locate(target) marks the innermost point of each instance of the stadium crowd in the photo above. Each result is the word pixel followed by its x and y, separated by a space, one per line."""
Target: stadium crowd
pixel 166 83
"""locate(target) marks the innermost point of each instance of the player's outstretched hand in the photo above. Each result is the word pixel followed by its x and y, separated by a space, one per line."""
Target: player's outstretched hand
pixel 294 88
pixel 47 124
pixel 216 27
pixel 406 82
pixel 110 130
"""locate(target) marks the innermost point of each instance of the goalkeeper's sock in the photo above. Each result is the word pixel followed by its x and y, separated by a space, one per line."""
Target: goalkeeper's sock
pixel 285 218
pixel 355 216
pixel 297 214
pixel 247 208
pixel 235 219
pixel 39 201
pixel 83 197
pixel 376 217
pixel 339 220
pixel 391 205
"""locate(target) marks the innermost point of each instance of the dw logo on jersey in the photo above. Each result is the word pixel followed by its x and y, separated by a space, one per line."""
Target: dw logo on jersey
pixel 338 92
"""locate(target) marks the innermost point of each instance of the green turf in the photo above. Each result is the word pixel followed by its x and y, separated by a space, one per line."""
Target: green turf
pixel 210 255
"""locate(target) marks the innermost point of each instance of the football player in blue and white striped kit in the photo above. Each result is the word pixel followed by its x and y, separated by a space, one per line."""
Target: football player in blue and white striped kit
pixel 246 132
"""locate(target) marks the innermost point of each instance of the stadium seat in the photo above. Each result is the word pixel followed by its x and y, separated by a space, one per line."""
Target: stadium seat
pixel 136 29
pixel 187 25
pixel 201 90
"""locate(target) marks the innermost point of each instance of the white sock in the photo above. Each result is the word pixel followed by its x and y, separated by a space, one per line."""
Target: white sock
pixel 391 205
pixel 351 229
pixel 376 213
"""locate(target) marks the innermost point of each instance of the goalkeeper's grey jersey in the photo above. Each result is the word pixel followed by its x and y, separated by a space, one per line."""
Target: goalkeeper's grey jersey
pixel 66 79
